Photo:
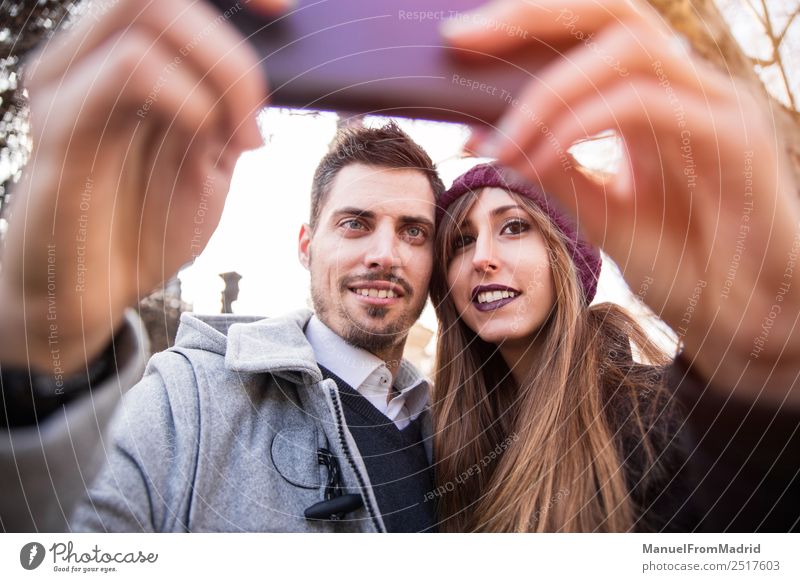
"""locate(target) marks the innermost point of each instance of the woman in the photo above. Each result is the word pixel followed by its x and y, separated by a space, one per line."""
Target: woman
pixel 544 422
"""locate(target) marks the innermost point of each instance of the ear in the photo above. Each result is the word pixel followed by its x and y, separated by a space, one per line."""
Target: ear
pixel 304 246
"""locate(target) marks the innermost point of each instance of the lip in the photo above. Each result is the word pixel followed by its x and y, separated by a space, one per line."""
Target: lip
pixel 494 305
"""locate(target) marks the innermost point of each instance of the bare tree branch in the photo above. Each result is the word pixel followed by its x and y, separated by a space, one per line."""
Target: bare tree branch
pixel 788 24
pixel 776 55
pixel 756 13
pixel 763 62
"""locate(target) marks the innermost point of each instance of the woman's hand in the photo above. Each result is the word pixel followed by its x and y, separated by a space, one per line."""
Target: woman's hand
pixel 703 214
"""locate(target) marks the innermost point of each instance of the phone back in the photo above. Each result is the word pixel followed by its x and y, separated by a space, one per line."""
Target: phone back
pixel 385 57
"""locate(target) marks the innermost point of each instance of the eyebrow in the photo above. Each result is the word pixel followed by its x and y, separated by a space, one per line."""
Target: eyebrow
pixel 353 211
pixel 503 209
pixel 368 214
pixel 417 220
pixel 499 211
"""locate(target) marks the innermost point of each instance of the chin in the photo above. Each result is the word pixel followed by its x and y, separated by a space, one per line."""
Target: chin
pixel 375 319
pixel 494 334
pixel 498 332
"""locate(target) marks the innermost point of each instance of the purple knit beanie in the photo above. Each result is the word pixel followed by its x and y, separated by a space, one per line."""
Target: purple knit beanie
pixel 585 256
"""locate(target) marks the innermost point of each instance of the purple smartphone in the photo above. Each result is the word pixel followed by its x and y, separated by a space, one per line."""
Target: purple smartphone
pixel 384 57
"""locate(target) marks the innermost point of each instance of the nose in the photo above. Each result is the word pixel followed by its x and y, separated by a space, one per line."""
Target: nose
pixel 383 252
pixel 484 259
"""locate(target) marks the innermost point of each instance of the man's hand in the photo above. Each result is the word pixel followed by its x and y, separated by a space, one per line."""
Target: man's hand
pixel 138 115
pixel 703 214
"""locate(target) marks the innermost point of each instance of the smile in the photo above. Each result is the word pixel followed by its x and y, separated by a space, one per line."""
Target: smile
pixel 492 297
pixel 372 292
pixel 377 292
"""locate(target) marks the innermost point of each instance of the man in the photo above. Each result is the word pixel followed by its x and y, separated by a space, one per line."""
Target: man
pixel 307 422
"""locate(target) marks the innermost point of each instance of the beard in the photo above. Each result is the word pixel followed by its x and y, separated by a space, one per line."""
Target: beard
pixel 375 334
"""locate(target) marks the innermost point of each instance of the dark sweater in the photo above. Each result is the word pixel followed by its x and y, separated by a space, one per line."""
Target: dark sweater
pixel 742 458
pixel 720 466
pixel 396 462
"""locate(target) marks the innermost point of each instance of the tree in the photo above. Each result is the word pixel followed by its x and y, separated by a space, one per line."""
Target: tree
pixel 23 24
pixel 711 36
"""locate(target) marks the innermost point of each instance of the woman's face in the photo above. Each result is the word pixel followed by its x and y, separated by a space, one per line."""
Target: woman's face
pixel 499 276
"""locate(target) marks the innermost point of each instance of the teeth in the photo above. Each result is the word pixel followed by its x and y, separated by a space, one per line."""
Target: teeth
pixel 379 293
pixel 491 296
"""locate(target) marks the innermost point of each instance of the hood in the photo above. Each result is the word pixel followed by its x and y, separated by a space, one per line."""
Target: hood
pixel 254 344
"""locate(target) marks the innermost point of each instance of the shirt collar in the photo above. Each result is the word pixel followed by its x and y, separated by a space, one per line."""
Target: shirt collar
pixel 351 364
pixel 355 365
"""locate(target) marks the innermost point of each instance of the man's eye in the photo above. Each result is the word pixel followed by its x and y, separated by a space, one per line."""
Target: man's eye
pixel 515 226
pixel 415 232
pixel 352 224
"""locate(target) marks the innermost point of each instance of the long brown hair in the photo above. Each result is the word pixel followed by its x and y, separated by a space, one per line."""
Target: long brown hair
pixel 545 455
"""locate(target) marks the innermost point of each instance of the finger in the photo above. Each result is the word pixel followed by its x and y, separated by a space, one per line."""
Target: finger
pixel 503 25
pixel 585 198
pixel 618 226
pixel 185 219
pixel 634 110
pixel 618 53
pixel 125 84
pixel 610 210
pixel 198 36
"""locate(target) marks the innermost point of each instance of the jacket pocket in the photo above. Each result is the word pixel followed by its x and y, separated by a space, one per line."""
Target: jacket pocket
pixel 294 455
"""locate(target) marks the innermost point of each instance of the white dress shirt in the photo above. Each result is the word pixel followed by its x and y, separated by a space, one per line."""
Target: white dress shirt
pixel 370 376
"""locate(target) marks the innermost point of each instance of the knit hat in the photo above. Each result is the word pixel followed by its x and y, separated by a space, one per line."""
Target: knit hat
pixel 585 256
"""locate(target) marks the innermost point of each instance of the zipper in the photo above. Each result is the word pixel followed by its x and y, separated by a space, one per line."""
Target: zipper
pixel 343 443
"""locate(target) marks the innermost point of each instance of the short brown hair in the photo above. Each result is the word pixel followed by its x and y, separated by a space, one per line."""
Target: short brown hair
pixel 387 146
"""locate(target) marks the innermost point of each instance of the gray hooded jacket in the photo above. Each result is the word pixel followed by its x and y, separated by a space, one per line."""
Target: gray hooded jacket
pixel 222 434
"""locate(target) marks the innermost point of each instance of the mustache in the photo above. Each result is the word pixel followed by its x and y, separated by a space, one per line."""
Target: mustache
pixel 388 277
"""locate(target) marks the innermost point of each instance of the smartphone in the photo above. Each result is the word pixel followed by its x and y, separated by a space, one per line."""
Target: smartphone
pixel 385 57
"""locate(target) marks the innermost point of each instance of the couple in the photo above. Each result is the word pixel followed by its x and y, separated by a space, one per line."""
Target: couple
pixel 314 422
pixel 254 426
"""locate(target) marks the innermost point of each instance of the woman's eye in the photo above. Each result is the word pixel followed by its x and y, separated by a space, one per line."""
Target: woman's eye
pixel 515 226
pixel 461 241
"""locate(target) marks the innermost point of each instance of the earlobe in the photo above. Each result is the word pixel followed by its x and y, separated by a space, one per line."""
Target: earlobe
pixel 304 246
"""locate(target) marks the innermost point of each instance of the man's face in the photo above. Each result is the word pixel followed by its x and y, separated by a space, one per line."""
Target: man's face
pixel 371 254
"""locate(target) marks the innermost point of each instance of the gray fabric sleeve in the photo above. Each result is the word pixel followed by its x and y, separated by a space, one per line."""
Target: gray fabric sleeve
pixel 45 468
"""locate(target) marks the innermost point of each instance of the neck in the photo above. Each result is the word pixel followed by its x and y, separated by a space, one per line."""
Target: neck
pixel 521 356
pixel 391 356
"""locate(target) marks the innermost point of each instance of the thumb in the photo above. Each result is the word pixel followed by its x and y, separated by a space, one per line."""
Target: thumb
pixel 503 25
pixel 495 27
